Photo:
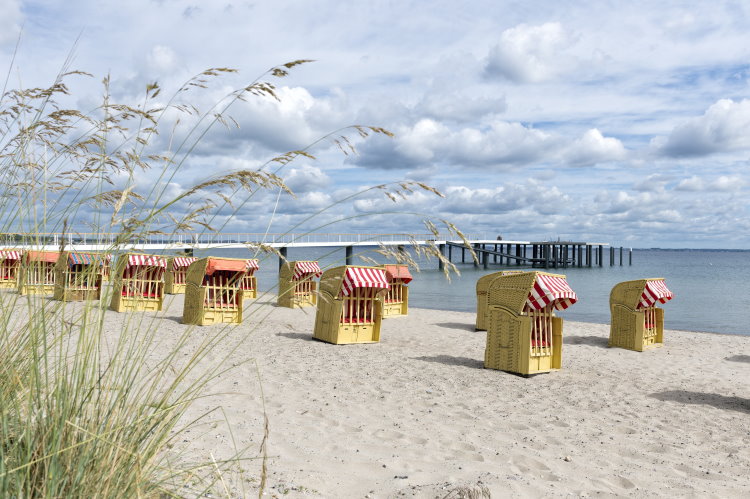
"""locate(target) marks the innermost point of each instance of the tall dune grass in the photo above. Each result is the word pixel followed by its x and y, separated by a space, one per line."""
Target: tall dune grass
pixel 87 411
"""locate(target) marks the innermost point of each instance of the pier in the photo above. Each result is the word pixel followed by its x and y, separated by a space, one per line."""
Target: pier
pixel 541 254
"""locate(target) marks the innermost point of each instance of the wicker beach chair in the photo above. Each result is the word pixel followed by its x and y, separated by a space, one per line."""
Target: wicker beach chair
pixel 78 276
pixel 523 334
pixel 37 273
pixel 138 283
pixel 297 285
pixel 637 323
pixel 10 263
pixel 249 283
pixel 175 278
pixel 349 308
pixel 483 284
pixel 396 300
pixel 213 293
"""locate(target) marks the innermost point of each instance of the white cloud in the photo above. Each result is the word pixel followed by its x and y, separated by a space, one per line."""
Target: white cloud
pixel 593 148
pixel 499 145
pixel 722 183
pixel 306 178
pixel 529 53
pixel 10 21
pixel 162 59
pixel 725 126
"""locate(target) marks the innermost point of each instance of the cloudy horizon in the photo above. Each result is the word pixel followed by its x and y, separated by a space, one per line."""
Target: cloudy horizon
pixel 625 124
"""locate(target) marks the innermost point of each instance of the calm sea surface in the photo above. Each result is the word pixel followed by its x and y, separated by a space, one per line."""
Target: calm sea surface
pixel 711 287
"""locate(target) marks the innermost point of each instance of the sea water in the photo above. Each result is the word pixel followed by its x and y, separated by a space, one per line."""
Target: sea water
pixel 711 290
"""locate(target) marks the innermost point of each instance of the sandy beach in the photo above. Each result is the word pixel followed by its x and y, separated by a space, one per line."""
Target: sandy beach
pixel 417 415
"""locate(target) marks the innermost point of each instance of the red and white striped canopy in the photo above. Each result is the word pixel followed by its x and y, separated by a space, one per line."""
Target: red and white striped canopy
pixel 655 290
pixel 10 255
pixel 253 264
pixel 182 261
pixel 146 261
pixel 303 268
pixel 550 289
pixel 358 277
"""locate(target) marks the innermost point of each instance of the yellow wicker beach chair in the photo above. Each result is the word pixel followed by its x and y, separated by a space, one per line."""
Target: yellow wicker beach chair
pixel 396 300
pixel 349 308
pixel 297 286
pixel 637 323
pixel 213 293
pixel 138 283
pixel 175 278
pixel 37 274
pixel 483 284
pixel 249 283
pixel 523 334
pixel 78 276
pixel 10 263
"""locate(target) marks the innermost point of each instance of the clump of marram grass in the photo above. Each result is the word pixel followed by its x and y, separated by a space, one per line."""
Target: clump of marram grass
pixel 84 410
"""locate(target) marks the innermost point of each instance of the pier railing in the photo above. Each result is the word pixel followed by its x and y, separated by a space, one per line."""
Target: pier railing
pixel 104 239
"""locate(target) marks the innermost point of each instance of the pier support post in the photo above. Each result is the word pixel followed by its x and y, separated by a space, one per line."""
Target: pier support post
pixel 611 256
pixel 494 257
pixel 545 250
pixel 463 254
pixel 620 256
pixel 630 256
pixel 450 253
pixel 441 248
pixel 282 258
pixel 601 256
pixel 349 255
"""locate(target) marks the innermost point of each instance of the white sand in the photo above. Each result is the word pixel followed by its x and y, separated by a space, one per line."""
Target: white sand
pixel 418 415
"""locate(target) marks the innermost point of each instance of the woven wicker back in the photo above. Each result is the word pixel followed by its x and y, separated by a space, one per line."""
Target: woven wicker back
pixel 628 293
pixel 331 280
pixel 286 272
pixel 196 271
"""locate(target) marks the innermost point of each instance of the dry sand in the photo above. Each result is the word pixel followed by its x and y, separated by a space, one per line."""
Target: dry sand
pixel 417 415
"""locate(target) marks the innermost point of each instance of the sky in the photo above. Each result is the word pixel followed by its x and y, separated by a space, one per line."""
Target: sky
pixel 619 122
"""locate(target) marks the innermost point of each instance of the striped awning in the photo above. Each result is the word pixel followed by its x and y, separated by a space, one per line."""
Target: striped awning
pixel 655 291
pixel 146 261
pixel 358 277
pixel 215 264
pixel 10 255
pixel 84 259
pixel 398 272
pixel 303 268
pixel 253 264
pixel 182 261
pixel 42 256
pixel 550 290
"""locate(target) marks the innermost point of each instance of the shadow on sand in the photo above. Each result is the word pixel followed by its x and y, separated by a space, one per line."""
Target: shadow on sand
pixel 450 360
pixel 739 358
pixel 296 336
pixel 458 325
pixel 722 402
pixel 594 341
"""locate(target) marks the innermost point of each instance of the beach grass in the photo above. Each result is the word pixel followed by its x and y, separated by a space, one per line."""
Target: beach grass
pixel 90 412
